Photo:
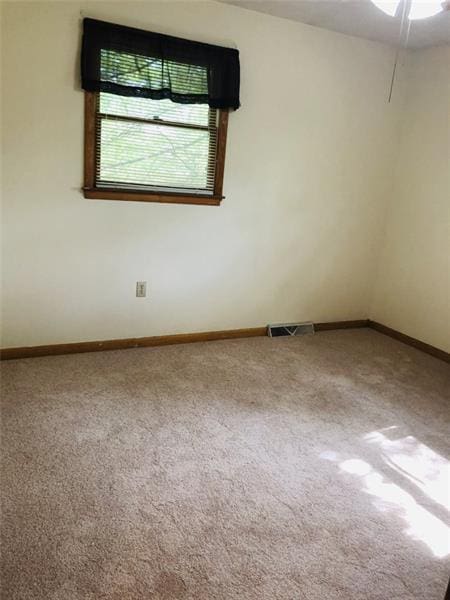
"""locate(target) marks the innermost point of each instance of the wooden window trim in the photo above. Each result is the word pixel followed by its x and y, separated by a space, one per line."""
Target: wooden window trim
pixel 90 190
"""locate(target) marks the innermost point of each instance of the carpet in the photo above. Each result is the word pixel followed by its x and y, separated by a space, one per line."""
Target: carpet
pixel 311 468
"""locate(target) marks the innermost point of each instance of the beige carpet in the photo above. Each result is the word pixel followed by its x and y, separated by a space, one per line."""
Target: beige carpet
pixel 310 468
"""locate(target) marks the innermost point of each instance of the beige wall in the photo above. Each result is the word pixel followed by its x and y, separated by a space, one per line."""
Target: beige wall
pixel 412 291
pixel 307 172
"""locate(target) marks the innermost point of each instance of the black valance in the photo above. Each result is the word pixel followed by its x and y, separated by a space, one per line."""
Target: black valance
pixel 131 62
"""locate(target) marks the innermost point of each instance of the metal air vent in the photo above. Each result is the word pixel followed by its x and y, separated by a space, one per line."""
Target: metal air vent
pixel 283 329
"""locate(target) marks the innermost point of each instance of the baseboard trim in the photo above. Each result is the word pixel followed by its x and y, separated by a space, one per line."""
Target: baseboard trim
pixel 121 344
pixel 207 336
pixel 162 340
pixel 341 325
pixel 410 341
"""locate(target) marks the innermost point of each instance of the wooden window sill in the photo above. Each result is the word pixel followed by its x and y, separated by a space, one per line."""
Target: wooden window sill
pixel 138 196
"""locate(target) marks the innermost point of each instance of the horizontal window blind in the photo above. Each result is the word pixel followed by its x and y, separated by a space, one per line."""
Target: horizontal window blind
pixel 133 72
pixel 147 144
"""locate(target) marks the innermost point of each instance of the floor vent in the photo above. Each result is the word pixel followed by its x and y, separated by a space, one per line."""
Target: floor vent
pixel 283 329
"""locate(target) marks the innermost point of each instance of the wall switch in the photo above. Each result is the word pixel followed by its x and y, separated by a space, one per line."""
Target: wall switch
pixel 141 289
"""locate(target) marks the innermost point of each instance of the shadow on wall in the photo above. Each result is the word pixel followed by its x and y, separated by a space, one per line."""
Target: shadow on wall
pixel 421 494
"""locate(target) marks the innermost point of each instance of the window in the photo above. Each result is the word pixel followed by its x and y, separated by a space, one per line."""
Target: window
pixel 156 115
pixel 144 149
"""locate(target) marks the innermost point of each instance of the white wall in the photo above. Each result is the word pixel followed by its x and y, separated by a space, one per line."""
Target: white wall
pixel 412 291
pixel 307 174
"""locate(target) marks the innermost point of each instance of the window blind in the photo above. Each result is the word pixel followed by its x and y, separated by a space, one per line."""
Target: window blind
pixel 155 144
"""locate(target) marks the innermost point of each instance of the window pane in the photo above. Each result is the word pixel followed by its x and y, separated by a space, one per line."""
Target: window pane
pixel 154 155
pixel 145 108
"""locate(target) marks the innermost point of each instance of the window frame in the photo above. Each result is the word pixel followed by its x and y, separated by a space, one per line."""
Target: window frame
pixel 92 191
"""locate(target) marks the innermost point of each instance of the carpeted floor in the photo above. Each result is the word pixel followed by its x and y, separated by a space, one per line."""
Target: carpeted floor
pixel 311 468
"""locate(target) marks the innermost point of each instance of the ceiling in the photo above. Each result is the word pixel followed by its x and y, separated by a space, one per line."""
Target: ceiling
pixel 355 17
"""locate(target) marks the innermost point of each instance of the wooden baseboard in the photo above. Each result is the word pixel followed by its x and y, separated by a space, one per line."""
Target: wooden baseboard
pixel 120 344
pixel 206 336
pixel 406 339
pixel 341 325
pixel 162 340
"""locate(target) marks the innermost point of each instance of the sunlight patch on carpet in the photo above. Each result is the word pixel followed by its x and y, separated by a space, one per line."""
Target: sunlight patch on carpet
pixel 420 466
